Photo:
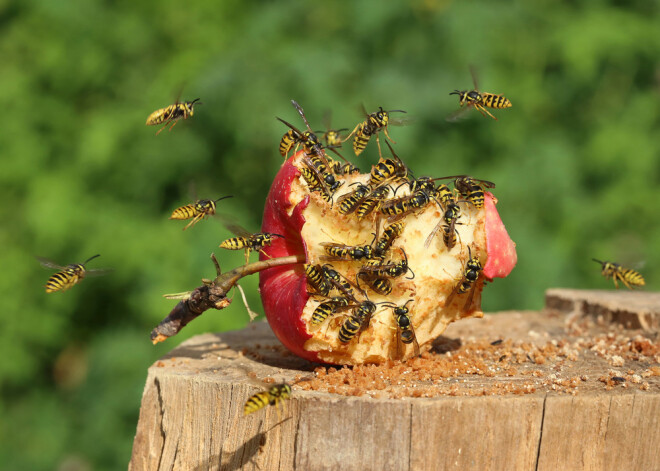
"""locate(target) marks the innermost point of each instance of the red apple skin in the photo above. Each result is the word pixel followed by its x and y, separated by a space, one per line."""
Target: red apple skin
pixel 501 250
pixel 284 289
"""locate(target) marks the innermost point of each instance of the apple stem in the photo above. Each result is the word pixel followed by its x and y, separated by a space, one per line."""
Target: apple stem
pixel 213 294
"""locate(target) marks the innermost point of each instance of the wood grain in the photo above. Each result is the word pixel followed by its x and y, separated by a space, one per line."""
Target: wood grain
pixel 191 416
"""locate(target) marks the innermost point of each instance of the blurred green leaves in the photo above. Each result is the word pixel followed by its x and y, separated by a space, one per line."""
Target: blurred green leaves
pixel 575 161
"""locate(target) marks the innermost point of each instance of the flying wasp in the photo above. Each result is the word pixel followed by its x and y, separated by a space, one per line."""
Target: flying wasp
pixel 629 277
pixel 468 282
pixel 197 211
pixel 247 241
pixel 68 275
pixel 331 137
pixel 478 100
pixel 273 396
pixel 172 114
pixel 373 124
pixel 405 329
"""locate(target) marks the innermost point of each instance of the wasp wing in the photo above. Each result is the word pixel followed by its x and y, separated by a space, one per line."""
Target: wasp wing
pixel 47 263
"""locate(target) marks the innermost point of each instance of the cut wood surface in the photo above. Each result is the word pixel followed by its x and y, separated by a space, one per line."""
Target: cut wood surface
pixel 560 391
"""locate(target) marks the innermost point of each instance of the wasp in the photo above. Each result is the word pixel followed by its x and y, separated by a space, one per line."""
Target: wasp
pixel 468 282
pixel 197 211
pixel 381 286
pixel 68 275
pixel 346 168
pixel 350 201
pixel 373 201
pixel 328 178
pixel 478 100
pixel 405 329
pixel 472 189
pixel 628 276
pixel 385 241
pixel 308 139
pixel 337 281
pixel 271 397
pixel 316 279
pixel 331 137
pixel 347 252
pixel 398 208
pixel 450 217
pixel 375 122
pixel 377 269
pixel 357 321
pixel 425 184
pixel 328 308
pixel 390 169
pixel 172 114
pixel 247 241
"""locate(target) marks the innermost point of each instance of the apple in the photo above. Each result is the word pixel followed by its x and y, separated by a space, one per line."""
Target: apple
pixel 306 221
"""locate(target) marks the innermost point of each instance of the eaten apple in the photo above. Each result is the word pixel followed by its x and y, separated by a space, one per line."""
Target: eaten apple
pixel 436 289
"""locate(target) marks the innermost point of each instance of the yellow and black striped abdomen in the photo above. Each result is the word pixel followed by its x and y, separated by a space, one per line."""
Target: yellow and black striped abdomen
pixel 256 402
pixel 161 115
pixel 184 212
pixel 287 142
pixel 349 328
pixel 633 277
pixel 273 396
pixel 362 136
pixel 63 280
pixel 495 101
pixel 236 243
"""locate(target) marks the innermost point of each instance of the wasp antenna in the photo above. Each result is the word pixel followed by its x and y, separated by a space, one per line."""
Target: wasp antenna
pixel 91 258
pixel 277 235
pixel 456 92
pixel 342 129
pixel 598 261
pixel 413 274
pixel 223 198
pixel 196 102
pixel 396 111
pixel 411 299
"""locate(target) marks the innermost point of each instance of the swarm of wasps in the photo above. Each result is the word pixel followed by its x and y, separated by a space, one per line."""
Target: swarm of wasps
pixel 378 264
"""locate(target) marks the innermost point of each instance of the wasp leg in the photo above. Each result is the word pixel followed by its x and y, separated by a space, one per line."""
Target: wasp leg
pixel 380 153
pixel 163 127
pixel 483 110
pixel 387 135
pixel 264 253
pixel 614 277
pixel 351 134
pixel 623 280
pixel 195 220
pixel 173 124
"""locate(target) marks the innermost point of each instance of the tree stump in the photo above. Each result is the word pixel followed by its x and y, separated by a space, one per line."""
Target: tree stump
pixel 564 388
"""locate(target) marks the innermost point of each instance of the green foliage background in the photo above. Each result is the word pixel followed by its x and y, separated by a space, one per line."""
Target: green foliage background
pixel 575 161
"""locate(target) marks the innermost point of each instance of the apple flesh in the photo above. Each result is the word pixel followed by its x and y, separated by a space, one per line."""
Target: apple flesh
pixel 306 221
